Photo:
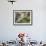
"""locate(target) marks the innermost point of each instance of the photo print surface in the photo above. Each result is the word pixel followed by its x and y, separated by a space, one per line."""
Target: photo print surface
pixel 22 17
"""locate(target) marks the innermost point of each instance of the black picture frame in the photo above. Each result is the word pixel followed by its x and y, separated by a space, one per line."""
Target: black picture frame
pixel 15 14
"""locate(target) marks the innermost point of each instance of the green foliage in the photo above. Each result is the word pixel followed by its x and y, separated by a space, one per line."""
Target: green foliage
pixel 25 20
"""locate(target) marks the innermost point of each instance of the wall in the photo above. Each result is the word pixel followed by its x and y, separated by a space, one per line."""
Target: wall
pixel 38 30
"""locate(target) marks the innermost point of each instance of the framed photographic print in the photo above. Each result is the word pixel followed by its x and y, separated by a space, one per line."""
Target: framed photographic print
pixel 22 17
